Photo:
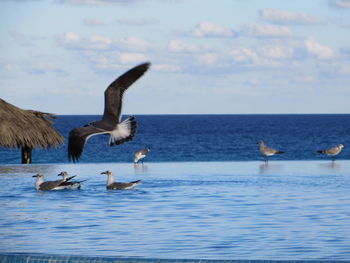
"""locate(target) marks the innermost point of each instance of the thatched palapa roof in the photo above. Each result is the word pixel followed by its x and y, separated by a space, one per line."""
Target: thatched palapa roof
pixel 27 128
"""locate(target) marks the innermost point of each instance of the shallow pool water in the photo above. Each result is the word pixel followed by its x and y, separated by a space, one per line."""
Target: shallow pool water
pixel 213 210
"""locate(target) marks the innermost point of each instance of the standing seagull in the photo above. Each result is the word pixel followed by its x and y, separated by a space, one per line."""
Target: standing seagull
pixel 119 132
pixel 140 154
pixel 111 185
pixel 49 185
pixel 67 184
pixel 333 151
pixel 267 151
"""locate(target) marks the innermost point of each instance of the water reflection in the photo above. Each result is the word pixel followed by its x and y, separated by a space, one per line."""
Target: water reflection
pixel 26 169
pixel 268 167
pixel 333 166
pixel 140 168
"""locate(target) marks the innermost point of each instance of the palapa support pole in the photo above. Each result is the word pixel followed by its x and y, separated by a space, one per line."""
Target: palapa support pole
pixel 26 154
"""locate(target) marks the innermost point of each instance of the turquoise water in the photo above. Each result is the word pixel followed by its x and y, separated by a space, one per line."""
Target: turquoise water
pixel 213 210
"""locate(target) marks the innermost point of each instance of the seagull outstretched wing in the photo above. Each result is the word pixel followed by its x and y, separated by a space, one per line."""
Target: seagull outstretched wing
pixel 77 139
pixel 114 92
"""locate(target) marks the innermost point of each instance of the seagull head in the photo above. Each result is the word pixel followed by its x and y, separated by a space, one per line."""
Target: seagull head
pixel 341 146
pixel 107 172
pixel 63 174
pixel 260 142
pixel 38 175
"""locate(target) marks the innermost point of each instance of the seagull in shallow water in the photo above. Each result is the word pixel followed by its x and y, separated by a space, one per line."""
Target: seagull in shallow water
pixel 332 151
pixel 67 184
pixel 267 151
pixel 140 154
pixel 111 185
pixel 111 124
pixel 49 185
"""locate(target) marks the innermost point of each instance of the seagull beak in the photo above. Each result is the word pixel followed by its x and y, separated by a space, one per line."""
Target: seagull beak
pixel 103 172
pixel 35 175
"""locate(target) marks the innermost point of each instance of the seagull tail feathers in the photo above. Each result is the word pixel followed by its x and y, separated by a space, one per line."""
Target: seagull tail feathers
pixel 125 132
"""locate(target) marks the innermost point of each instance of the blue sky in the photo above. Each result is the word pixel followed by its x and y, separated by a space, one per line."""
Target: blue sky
pixel 208 57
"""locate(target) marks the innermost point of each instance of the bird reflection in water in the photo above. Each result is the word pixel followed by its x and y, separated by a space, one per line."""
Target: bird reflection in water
pixel 140 168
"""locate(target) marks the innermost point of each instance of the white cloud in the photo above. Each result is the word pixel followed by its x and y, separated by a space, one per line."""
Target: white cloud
pixel 113 60
pixel 71 40
pixel 133 43
pixel 318 50
pixel 42 66
pixel 243 55
pixel 206 29
pixel 179 46
pixel 208 59
pixel 167 68
pixel 132 58
pixel 286 17
pixel 268 31
pixel 266 56
pixel 104 53
pixel 340 3
pixel 277 51
pixel 97 42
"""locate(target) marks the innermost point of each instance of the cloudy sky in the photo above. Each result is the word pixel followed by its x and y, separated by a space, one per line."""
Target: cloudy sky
pixel 223 56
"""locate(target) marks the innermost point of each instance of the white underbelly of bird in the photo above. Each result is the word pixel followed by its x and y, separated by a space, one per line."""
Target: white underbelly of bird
pixel 122 131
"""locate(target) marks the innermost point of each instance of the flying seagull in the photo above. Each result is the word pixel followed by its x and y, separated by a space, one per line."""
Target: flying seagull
pixel 140 154
pixel 267 151
pixel 119 132
pixel 111 185
pixel 49 185
pixel 67 184
pixel 332 151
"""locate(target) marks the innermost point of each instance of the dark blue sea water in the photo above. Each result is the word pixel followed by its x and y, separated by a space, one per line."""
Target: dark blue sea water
pixel 178 138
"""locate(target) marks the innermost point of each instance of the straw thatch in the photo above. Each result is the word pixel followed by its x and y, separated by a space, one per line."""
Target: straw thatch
pixel 27 128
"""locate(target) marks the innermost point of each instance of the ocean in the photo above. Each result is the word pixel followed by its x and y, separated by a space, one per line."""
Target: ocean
pixel 206 192
pixel 205 138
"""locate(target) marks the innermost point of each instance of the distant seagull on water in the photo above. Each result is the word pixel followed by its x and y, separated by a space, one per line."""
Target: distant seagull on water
pixel 111 124
pixel 140 154
pixel 112 185
pixel 49 185
pixel 267 151
pixel 332 151
pixel 67 184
